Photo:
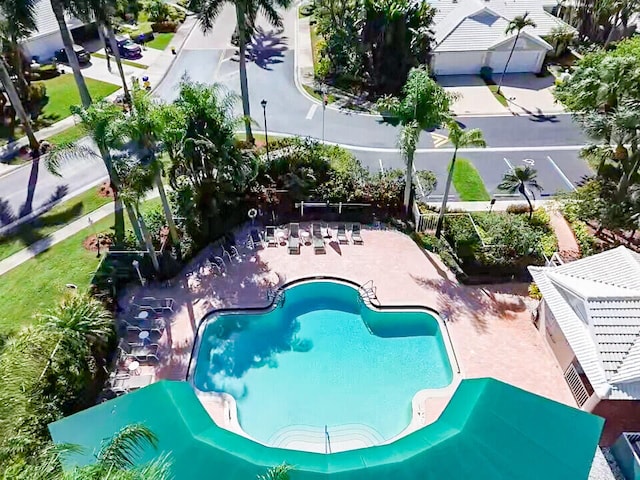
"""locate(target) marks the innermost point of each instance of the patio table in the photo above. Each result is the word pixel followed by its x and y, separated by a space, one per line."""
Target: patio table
pixel 133 383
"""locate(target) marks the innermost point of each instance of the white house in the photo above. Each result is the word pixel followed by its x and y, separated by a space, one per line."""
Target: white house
pixel 470 34
pixel 590 317
pixel 47 39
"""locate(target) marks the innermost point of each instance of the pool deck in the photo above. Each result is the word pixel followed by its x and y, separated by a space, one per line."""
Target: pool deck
pixel 490 327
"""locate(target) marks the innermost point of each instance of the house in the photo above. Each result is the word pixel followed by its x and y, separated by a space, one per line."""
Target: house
pixel 470 34
pixel 590 317
pixel 47 39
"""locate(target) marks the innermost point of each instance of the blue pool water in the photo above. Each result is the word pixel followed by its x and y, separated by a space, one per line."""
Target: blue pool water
pixel 322 358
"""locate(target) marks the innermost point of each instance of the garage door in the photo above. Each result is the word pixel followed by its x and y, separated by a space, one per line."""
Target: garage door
pixel 521 61
pixel 457 63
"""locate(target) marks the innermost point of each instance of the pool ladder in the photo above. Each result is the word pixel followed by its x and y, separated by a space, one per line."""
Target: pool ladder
pixel 327 441
pixel 276 297
pixel 368 292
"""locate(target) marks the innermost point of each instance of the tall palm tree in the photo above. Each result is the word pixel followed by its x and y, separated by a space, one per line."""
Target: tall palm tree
pixel 144 126
pixel 459 138
pixel 103 124
pixel 59 7
pixel 16 103
pixel 246 10
pixel 521 179
pixel 424 104
pixel 515 25
pixel 135 182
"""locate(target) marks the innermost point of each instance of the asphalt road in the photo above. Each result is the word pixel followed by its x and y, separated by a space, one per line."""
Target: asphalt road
pixel 211 58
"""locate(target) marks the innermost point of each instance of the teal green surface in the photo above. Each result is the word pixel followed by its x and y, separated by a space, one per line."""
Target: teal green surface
pixel 489 431
pixel 322 359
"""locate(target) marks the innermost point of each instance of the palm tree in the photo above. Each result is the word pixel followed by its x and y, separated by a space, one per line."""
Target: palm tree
pixel 519 180
pixel 515 25
pixel 144 126
pixel 103 124
pixel 279 472
pixel 135 182
pixel 424 105
pixel 16 103
pixel 459 138
pixel 208 11
pixel 58 7
pixel 116 460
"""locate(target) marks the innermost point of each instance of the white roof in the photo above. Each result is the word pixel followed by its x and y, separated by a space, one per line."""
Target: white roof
pixel 466 25
pixel 596 302
pixel 46 22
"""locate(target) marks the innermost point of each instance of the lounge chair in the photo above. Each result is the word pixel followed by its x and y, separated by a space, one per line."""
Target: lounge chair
pixel 141 353
pixel 355 234
pixel 158 306
pixel 342 234
pixel 318 241
pixel 294 238
pixel 270 236
pixel 132 383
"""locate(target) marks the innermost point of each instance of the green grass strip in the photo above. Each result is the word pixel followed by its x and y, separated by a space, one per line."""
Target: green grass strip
pixel 38 283
pixel 468 182
pixel 51 221
pixel 503 101
pixel 70 135
pixel 124 61
pixel 160 41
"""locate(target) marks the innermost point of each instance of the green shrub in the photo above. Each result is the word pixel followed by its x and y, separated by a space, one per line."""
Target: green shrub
pixel 486 73
pixel 164 27
pixel 534 291
pixel 307 10
pixel 585 241
pixel 322 68
pixel 518 209
pixel 45 72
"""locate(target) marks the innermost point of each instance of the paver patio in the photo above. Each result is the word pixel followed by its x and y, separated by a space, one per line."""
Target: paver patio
pixel 491 329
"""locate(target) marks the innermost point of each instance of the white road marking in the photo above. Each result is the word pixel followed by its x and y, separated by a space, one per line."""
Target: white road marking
pixel 381 166
pixel 312 111
pixel 508 163
pixel 439 140
pixel 561 173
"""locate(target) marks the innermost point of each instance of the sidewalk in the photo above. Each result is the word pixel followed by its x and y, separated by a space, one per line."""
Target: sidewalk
pixel 499 206
pixel 59 235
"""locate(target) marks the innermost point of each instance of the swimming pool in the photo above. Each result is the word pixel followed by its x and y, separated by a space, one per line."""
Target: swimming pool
pixel 322 359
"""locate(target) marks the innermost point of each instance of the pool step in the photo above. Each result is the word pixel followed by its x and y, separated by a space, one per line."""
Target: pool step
pixel 313 439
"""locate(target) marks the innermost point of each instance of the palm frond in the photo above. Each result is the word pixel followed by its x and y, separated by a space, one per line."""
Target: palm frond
pixel 68 152
pixel 121 450
pixel 279 472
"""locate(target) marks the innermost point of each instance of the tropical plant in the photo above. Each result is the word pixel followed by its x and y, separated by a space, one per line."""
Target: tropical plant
pixel 116 460
pixel 209 173
pixel 522 180
pixel 59 7
pixel 561 37
pixel 279 472
pixel 516 25
pixel 246 10
pixel 424 104
pixel 158 11
pixel 103 123
pixel 459 138
pixel 17 105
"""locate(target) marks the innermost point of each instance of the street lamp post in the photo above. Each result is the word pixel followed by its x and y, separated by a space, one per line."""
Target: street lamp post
pixel 324 107
pixel 266 132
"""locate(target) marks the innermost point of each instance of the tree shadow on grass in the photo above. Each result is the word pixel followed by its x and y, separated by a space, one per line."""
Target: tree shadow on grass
pixel 479 304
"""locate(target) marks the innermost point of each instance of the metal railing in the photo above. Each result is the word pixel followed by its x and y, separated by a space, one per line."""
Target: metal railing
pixel 576 385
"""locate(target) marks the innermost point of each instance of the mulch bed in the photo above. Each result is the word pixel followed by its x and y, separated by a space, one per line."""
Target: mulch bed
pixel 105 190
pixel 91 242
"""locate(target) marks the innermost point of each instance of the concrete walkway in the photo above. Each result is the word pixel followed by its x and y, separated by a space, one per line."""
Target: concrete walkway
pixel 58 236
pixel 499 206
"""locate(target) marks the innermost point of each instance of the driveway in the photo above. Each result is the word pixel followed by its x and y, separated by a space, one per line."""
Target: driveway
pixel 529 94
pixel 97 69
pixel 475 97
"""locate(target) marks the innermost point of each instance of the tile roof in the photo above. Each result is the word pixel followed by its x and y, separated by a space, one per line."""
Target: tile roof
pixel 596 302
pixel 466 25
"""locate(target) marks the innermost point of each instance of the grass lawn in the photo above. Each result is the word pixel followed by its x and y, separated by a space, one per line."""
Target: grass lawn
pixel 318 95
pixel 494 89
pixel 160 41
pixel 38 284
pixel 124 61
pixel 63 93
pixel 315 47
pixel 49 222
pixel 69 135
pixel 468 182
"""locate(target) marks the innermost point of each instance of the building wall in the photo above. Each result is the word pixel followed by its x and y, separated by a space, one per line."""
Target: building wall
pixel 43 47
pixel 620 416
pixel 554 337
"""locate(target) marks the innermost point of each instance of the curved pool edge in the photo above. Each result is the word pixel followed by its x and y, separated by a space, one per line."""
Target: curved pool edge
pixel 419 418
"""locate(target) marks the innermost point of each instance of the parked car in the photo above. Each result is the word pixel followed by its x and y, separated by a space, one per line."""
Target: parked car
pixel 81 53
pixel 127 47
